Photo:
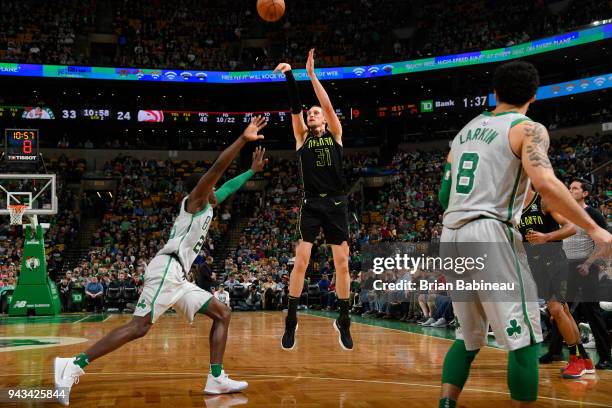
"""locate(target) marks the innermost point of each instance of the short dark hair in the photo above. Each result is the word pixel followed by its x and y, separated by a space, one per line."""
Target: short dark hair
pixel 584 184
pixel 516 82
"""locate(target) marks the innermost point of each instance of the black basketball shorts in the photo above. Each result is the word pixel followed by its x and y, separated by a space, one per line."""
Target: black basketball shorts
pixel 329 213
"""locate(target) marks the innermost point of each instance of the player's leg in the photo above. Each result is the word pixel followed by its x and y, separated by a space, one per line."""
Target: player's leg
pixel 68 370
pixel 156 297
pixel 308 228
pixel 296 278
pixel 471 332
pixel 343 283
pixel 516 320
pixel 336 232
pixel 221 317
pixel 136 328
pixel 195 300
pixel 550 274
pixel 471 335
pixel 218 382
pixel 296 285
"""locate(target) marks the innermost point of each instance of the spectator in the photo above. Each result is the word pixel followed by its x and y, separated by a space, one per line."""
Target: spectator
pixel 223 296
pixel 94 295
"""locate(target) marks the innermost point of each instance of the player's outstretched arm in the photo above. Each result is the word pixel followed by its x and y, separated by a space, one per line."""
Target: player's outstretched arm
pixel 534 156
pixel 198 197
pixel 231 186
pixel 333 123
pixel 297 118
pixel 445 186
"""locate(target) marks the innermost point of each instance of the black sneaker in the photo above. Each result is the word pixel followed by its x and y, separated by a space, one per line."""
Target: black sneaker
pixel 288 340
pixel 549 358
pixel 344 333
pixel 604 365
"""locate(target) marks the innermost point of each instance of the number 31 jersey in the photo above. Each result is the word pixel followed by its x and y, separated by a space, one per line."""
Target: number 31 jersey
pixel 488 179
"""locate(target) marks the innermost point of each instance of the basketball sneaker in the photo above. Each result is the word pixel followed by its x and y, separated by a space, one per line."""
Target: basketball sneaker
pixel 344 333
pixel 441 322
pixel 575 368
pixel 288 340
pixel 428 322
pixel 589 368
pixel 223 384
pixel 66 375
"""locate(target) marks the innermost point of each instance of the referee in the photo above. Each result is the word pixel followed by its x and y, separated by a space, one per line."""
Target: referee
pixel 585 280
pixel 319 148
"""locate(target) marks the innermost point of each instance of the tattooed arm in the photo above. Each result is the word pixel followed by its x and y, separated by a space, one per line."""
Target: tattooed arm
pixel 534 156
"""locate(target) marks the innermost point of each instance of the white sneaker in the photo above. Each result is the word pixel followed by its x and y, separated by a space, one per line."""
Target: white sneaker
pixel 591 343
pixel 223 385
pixel 428 322
pixel 585 327
pixel 66 375
pixel 441 322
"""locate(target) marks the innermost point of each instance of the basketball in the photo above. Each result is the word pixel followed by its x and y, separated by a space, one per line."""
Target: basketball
pixel 271 10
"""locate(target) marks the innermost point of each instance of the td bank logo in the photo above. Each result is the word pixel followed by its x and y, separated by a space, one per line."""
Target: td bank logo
pixel 427 106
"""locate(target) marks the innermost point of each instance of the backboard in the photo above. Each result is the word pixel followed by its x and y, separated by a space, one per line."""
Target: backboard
pixel 36 191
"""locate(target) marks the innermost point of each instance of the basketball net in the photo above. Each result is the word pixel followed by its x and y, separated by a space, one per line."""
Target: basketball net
pixel 17 211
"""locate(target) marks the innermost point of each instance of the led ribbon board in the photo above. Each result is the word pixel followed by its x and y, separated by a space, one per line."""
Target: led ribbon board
pixel 555 43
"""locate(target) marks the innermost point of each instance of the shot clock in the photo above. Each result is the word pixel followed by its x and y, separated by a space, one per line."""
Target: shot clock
pixel 21 145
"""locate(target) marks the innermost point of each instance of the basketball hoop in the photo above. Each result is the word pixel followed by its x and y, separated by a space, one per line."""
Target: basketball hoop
pixel 16 211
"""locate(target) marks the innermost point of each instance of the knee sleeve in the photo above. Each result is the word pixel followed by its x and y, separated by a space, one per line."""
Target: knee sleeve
pixel 523 373
pixel 457 364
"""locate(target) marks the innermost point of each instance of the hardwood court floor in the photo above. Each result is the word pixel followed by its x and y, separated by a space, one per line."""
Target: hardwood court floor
pixel 388 368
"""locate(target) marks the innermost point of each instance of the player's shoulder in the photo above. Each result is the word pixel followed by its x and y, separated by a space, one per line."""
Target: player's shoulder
pixel 528 125
pixel 529 129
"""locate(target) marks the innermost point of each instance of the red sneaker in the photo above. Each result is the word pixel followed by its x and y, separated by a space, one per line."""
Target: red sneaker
pixel 571 359
pixel 575 368
pixel 588 366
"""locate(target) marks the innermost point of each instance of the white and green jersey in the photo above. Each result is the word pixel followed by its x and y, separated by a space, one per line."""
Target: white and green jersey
pixel 188 235
pixel 488 179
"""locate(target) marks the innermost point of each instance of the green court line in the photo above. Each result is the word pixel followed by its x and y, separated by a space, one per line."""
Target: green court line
pixel 440 333
pixel 59 319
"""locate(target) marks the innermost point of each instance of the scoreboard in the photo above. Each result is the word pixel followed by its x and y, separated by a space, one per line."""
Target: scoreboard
pixel 21 145
pixel 108 114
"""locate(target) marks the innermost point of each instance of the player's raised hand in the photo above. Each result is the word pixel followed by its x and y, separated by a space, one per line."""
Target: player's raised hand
pixel 250 134
pixel 282 67
pixel 258 159
pixel 310 62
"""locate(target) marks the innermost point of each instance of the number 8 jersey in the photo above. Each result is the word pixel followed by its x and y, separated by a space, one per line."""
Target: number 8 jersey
pixel 488 179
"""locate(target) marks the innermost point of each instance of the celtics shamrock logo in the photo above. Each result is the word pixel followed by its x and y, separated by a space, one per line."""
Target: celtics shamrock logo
pixel 514 330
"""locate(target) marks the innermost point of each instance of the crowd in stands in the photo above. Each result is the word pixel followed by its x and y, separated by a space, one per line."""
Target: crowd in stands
pixel 255 271
pixel 38 32
pixel 195 34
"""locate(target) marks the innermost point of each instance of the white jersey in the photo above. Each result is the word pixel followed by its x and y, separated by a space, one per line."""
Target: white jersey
pixel 488 179
pixel 188 235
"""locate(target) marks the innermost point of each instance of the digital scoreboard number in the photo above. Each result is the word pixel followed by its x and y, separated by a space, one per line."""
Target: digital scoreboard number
pixel 21 145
